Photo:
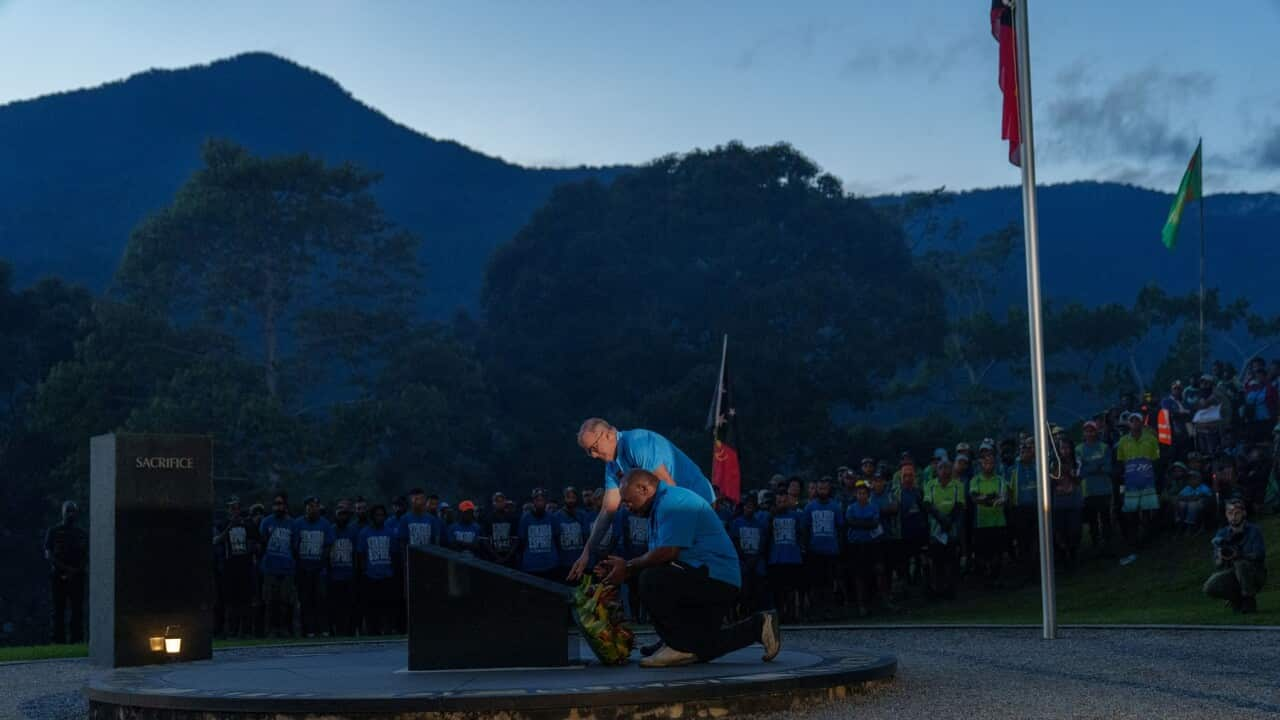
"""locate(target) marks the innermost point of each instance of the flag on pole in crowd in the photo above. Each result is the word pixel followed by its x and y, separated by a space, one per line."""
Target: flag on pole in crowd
pixel 1002 31
pixel 726 473
pixel 1190 189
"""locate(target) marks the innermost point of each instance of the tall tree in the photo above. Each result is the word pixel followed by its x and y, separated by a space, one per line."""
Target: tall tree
pixel 613 299
pixel 286 247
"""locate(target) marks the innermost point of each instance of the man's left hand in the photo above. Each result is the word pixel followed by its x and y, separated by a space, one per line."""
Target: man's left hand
pixel 612 570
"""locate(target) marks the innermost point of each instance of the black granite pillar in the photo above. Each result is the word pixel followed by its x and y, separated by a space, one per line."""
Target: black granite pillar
pixel 469 613
pixel 151 566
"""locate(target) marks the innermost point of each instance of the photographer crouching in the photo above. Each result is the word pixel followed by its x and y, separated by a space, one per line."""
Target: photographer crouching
pixel 1240 558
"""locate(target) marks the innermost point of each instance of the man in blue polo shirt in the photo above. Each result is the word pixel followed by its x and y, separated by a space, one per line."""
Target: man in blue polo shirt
pixel 624 450
pixel 690 576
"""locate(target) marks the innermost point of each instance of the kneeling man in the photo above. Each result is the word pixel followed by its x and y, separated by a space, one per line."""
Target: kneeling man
pixel 689 579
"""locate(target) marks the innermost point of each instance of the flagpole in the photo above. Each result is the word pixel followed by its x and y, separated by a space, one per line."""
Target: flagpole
pixel 1200 152
pixel 724 353
pixel 1038 400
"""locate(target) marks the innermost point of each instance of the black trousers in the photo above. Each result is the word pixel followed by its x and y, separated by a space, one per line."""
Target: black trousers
pixel 688 607
pixel 342 607
pixel 68 593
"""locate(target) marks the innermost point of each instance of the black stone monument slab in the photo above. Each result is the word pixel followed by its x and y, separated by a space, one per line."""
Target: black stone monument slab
pixel 151 518
pixel 468 613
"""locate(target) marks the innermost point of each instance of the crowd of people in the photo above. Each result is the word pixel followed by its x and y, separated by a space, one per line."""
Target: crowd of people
pixel 861 538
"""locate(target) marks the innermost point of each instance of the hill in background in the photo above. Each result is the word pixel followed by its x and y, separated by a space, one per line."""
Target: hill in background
pixel 78 170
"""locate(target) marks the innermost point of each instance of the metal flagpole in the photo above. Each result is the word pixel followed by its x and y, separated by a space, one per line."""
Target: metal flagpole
pixel 1031 232
pixel 724 353
pixel 1200 152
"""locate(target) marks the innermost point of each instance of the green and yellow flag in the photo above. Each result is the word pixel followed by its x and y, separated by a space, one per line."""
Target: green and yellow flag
pixel 1189 190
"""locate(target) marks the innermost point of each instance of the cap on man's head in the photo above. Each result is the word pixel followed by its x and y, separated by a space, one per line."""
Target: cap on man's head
pixel 862 484
pixel 1028 442
pixel 987 445
pixel 1179 464
pixel 1134 416
pixel 1175 384
pixel 1235 502
pixel 310 499
pixel 233 500
pixel 466 505
pixel 868 461
pixel 962 447
pixel 498 495
pixel 538 493
pixel 1090 425
pixel 257 507
pixel 940 454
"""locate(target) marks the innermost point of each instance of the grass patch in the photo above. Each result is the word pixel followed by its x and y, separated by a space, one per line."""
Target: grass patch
pixel 1162 587
pixel 27 653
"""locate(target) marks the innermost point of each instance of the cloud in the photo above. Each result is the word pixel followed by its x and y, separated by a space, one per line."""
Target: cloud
pixel 800 39
pixel 931 61
pixel 1268 157
pixel 1131 118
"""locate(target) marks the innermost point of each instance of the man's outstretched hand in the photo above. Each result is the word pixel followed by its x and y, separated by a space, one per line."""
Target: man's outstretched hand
pixel 580 566
pixel 612 570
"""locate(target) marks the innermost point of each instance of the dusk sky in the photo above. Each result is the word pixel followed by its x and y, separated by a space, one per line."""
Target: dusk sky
pixel 888 96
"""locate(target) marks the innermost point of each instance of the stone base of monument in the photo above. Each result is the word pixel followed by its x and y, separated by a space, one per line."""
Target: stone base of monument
pixel 373 682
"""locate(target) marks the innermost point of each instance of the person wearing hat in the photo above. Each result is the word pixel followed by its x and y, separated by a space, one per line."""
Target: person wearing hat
pixel 1191 504
pixel 538 540
pixel 1023 498
pixel 1240 561
pixel 786 557
pixel 465 533
pixel 866 473
pixel 988 495
pixel 343 618
pixel 864 535
pixel 624 450
pixel 944 505
pixel 689 579
pixel 314 537
pixel 236 541
pixel 904 460
pixel 931 472
pixel 1138 452
pixel 1095 460
pixel 66 548
pixel 749 533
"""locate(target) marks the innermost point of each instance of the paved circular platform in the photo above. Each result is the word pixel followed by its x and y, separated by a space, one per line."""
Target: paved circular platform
pixel 373 682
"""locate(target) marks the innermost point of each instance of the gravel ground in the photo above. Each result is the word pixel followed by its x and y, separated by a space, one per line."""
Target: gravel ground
pixel 942 674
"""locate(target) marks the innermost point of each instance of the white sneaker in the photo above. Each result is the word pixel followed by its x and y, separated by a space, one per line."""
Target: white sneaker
pixel 668 657
pixel 771 636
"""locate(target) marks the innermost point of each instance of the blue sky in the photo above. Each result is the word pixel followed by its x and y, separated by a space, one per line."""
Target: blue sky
pixel 888 96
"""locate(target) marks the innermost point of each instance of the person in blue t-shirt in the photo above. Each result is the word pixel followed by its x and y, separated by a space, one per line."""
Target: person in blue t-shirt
pixel 823 525
pixel 689 578
pixel 465 534
pixel 632 532
pixel 419 526
pixel 786 557
pixel 343 619
pixel 864 535
pixel 573 528
pixel 750 534
pixel 624 450
pixel 538 536
pixel 314 536
pixel 279 594
pixel 500 530
pixel 377 551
